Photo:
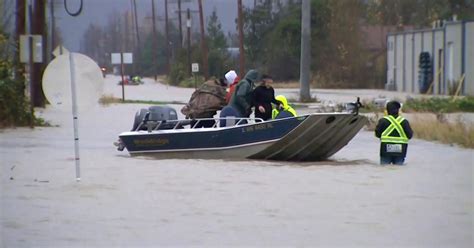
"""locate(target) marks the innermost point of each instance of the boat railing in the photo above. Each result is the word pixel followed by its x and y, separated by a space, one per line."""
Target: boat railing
pixel 152 125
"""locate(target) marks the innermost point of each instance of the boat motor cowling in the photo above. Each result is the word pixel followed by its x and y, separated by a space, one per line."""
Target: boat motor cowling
pixel 150 117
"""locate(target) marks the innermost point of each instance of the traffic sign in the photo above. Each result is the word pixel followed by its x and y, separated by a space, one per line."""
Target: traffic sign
pixel 127 58
pixel 195 67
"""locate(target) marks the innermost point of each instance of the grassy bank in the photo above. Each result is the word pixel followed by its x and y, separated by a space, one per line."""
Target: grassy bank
pixel 440 105
pixel 445 133
pixel 435 130
pixel 437 105
pixel 109 99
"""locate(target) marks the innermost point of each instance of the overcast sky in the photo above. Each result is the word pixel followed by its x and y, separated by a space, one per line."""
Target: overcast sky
pixel 98 12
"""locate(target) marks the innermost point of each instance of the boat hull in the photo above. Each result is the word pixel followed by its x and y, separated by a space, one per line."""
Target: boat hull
pixel 304 138
pixel 317 138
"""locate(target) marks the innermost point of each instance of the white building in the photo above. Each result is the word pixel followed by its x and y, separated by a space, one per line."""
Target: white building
pixel 451 49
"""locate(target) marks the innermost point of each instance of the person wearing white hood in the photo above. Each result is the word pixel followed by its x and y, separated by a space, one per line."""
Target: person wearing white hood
pixel 232 80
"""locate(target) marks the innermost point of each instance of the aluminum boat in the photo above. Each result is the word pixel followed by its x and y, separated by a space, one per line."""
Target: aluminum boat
pixel 310 137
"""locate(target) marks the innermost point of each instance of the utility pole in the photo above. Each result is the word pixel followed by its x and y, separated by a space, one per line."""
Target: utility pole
pixel 137 44
pixel 136 22
pixel 203 43
pixel 305 58
pixel 167 39
pixel 19 30
pixel 188 27
pixel 122 67
pixel 37 23
pixel 155 66
pixel 241 40
pixel 126 32
pixel 30 82
pixel 51 42
pixel 180 25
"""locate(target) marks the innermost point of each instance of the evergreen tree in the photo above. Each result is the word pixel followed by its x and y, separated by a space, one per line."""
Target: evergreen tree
pixel 218 56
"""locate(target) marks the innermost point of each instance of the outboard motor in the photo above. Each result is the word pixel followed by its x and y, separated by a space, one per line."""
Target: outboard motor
pixel 353 107
pixel 153 116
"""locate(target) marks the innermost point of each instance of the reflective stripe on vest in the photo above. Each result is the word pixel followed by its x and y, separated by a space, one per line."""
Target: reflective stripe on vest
pixel 275 113
pixel 395 124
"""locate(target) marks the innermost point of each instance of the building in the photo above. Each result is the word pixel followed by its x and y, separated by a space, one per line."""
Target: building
pixel 450 46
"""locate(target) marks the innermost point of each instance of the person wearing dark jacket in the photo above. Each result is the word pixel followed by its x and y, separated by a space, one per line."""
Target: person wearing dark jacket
pixel 263 97
pixel 394 132
pixel 241 100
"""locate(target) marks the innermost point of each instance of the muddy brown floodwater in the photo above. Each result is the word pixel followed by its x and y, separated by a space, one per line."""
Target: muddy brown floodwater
pixel 122 201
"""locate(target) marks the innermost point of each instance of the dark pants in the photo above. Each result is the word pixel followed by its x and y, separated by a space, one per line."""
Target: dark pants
pixel 229 111
pixel 203 123
pixel 387 159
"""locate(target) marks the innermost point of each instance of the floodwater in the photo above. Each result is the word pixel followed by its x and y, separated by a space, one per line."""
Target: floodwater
pixel 134 202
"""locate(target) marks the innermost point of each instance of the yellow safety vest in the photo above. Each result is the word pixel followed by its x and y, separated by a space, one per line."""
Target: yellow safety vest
pixel 395 124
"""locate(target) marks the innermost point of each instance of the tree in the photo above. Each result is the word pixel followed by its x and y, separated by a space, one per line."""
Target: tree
pixel 14 106
pixel 217 39
pixel 145 64
pixel 347 66
pixel 283 44
pixel 93 43
pixel 218 56
pixel 418 13
pixel 258 22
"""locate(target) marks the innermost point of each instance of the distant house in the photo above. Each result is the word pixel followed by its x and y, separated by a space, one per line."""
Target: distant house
pixel 447 55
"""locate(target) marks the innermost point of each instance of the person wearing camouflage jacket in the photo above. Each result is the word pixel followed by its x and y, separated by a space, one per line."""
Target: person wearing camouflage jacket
pixel 205 101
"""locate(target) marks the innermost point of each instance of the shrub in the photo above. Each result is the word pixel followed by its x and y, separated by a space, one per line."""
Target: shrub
pixel 177 74
pixel 14 107
pixel 440 105
pixel 447 133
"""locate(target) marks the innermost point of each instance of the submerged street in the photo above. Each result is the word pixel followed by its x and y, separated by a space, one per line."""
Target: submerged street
pixel 122 201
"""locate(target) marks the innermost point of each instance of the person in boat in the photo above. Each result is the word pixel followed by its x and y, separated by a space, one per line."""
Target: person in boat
pixel 263 97
pixel 232 79
pixel 241 100
pixel 240 103
pixel 205 102
pixel 394 132
pixel 284 109
pixel 137 79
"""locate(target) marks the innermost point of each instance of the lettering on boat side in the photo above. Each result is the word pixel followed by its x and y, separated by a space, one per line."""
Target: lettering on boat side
pixel 150 141
pixel 262 126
